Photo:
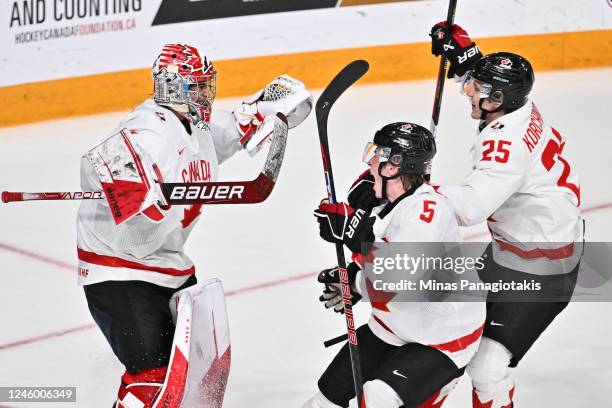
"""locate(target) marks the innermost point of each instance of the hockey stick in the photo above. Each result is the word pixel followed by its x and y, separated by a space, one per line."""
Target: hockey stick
pixel 222 192
pixel 236 192
pixel 348 76
pixel 435 114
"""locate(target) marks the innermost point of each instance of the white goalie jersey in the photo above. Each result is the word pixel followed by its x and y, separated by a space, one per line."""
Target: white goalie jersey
pixel 139 248
pixel 526 191
pixel 453 328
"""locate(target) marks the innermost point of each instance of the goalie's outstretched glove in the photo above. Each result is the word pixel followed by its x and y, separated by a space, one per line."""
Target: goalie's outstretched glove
pixel 255 115
pixel 332 293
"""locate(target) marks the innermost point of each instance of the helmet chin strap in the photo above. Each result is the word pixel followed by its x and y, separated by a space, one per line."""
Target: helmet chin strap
pixel 485 112
pixel 384 181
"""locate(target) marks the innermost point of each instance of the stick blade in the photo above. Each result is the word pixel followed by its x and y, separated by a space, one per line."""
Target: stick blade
pixel 345 78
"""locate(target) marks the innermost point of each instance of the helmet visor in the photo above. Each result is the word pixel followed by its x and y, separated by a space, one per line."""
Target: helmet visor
pixel 373 150
pixel 471 86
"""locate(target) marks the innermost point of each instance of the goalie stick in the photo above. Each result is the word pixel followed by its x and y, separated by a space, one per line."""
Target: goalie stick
pixel 221 192
pixel 345 78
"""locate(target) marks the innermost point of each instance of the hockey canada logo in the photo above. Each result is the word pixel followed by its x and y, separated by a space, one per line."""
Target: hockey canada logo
pixel 505 63
pixel 407 127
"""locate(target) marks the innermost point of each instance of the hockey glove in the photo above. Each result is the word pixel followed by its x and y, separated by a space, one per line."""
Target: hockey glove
pixel 361 195
pixel 254 128
pixel 255 115
pixel 456 45
pixel 332 294
pixel 339 223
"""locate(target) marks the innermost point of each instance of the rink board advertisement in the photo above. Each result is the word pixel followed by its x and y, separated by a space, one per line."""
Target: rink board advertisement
pixel 179 11
pixel 85 37
pixel 109 44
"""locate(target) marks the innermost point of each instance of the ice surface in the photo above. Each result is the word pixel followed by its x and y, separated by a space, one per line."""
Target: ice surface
pixel 267 255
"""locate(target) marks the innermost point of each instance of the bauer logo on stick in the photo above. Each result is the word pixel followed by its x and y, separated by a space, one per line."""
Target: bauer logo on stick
pixel 205 192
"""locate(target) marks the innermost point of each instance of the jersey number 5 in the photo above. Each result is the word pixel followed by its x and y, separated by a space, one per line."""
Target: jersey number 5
pixel 501 149
pixel 553 150
pixel 428 210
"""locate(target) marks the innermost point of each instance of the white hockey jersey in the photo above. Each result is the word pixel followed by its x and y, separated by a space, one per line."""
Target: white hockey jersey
pixel 140 249
pixel 526 190
pixel 454 328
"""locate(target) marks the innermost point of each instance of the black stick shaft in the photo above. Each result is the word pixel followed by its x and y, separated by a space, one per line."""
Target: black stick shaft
pixel 435 114
pixel 349 75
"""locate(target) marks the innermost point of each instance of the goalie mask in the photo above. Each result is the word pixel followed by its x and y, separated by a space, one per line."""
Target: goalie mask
pixel 185 82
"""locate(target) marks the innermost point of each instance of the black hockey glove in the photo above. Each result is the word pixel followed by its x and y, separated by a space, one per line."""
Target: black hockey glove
pixel 361 195
pixel 332 294
pixel 456 45
pixel 339 223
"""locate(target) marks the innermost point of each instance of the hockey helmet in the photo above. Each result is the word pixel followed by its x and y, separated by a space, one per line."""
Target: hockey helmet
pixel 408 146
pixel 185 82
pixel 502 77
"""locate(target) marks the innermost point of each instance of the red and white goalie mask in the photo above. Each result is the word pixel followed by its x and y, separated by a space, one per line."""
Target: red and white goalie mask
pixel 185 82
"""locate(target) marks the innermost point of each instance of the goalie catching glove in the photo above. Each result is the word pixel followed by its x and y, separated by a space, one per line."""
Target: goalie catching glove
pixel 332 294
pixel 255 115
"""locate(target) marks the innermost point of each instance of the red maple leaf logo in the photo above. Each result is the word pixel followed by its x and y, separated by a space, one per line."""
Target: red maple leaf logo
pixel 378 298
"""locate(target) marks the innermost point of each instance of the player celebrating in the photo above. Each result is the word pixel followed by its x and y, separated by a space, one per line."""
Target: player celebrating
pixel 412 353
pixel 529 195
pixel 131 267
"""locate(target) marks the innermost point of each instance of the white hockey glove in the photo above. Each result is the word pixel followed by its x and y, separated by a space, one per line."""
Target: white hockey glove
pixel 255 115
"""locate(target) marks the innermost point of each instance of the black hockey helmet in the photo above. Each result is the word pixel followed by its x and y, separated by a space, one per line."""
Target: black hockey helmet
pixel 504 77
pixel 408 146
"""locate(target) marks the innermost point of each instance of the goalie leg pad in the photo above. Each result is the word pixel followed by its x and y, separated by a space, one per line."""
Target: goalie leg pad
pixel 209 351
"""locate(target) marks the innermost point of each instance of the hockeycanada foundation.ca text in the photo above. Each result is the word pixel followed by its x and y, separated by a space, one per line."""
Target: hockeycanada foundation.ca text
pixel 461 285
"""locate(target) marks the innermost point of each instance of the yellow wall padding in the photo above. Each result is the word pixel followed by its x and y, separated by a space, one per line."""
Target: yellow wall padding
pixel 390 63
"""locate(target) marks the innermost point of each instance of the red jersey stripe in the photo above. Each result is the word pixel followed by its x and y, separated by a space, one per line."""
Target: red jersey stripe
pixel 114 262
pixel 461 343
pixel 384 326
pixel 550 253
